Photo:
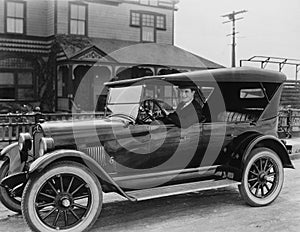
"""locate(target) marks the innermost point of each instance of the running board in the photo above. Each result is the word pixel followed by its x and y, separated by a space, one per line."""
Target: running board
pixel 145 194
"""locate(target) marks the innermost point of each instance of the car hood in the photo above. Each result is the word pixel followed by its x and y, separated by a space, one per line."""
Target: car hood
pixel 83 130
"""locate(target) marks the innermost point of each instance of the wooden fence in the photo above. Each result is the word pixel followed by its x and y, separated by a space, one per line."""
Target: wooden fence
pixel 289 123
pixel 13 124
pixel 290 96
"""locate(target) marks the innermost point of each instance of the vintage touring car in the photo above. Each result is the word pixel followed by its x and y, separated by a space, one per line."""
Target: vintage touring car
pixel 56 176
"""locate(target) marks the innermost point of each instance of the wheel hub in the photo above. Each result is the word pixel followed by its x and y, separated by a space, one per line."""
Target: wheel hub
pixel 262 177
pixel 65 202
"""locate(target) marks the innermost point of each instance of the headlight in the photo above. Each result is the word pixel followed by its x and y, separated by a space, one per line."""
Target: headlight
pixel 25 141
pixel 45 145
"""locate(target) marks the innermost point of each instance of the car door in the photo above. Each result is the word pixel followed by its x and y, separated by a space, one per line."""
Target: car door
pixel 130 148
pixel 215 136
pixel 173 148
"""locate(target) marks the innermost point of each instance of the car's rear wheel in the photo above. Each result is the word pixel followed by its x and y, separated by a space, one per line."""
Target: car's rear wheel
pixel 66 196
pixel 262 178
pixel 10 201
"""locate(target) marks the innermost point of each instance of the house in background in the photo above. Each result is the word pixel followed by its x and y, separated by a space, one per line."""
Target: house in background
pixel 48 48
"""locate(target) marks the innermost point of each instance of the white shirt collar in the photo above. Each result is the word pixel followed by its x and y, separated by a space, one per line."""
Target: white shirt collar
pixel 187 103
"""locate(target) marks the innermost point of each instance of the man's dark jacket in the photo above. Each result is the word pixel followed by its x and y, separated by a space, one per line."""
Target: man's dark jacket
pixel 186 116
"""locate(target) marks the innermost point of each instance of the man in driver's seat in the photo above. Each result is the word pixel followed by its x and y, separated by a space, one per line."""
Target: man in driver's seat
pixel 188 111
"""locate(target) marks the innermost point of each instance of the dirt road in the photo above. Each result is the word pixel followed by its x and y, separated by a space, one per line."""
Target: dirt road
pixel 215 210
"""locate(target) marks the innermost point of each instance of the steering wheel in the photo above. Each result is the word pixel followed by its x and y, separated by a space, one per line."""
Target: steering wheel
pixel 152 110
pixel 124 116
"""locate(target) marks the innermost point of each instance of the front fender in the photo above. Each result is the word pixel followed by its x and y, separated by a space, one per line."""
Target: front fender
pixel 271 142
pixel 12 153
pixel 5 151
pixel 42 162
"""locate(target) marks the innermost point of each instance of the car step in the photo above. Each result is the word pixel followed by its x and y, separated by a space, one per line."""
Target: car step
pixel 145 194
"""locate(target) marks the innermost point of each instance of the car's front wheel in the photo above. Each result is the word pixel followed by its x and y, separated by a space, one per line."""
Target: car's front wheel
pixel 66 196
pixel 6 197
pixel 262 177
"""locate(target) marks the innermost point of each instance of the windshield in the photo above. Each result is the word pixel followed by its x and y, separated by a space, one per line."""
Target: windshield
pixel 125 100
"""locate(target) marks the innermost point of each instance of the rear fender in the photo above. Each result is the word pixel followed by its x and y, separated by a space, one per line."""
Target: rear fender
pixel 240 143
pixel 274 144
pixel 41 163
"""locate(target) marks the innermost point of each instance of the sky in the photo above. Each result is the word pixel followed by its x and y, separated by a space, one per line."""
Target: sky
pixel 269 28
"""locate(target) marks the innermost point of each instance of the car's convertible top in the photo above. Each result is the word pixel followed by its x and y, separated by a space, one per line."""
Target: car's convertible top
pixel 242 74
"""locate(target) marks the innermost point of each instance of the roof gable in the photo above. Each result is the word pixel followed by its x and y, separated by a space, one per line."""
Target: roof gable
pixel 92 53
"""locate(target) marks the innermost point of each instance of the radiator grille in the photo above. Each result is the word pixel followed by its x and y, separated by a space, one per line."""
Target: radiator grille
pixel 97 153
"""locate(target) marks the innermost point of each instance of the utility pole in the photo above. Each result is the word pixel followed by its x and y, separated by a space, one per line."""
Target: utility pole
pixel 232 19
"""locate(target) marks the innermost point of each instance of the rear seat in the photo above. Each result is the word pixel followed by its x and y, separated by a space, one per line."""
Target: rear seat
pixel 227 116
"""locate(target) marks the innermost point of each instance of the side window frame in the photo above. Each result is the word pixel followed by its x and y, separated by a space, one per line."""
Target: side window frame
pixel 78 19
pixel 142 20
pixel 15 17
pixel 17 86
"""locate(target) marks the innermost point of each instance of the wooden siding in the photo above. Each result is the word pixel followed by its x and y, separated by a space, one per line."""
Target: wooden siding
pixel 50 17
pixel 36 22
pixel 39 17
pixel 2 19
pixel 113 21
pixel 62 17
pixel 104 20
pixel 166 37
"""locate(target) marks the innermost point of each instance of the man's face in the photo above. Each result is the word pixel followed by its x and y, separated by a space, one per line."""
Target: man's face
pixel 186 95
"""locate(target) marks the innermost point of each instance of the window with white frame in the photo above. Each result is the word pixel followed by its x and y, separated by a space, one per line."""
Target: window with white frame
pixel 15 17
pixel 78 19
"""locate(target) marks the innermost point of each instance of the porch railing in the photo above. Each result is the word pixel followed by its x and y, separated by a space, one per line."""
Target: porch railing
pixel 290 96
pixel 289 123
pixel 13 124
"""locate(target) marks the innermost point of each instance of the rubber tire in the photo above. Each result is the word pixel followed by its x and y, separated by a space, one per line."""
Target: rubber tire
pixel 243 187
pixel 34 184
pixel 9 202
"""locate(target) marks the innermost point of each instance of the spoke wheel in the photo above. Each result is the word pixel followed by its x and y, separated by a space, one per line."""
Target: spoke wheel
pixel 66 197
pixel 262 178
pixel 7 197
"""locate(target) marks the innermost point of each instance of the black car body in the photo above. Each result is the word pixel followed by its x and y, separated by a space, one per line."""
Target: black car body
pixel 62 169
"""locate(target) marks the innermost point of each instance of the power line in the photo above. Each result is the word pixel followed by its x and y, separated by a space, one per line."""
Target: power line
pixel 232 18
